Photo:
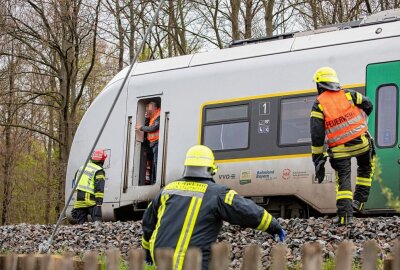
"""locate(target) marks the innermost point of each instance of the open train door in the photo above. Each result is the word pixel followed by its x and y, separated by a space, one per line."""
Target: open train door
pixel 143 175
pixel 145 163
pixel 383 81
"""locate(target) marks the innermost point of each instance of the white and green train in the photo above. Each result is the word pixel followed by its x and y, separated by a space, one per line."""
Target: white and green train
pixel 251 104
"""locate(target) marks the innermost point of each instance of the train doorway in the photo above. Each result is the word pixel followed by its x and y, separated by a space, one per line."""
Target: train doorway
pixel 146 143
pixel 383 82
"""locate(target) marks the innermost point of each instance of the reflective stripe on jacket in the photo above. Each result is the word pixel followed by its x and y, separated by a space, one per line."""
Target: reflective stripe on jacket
pixel 154 135
pixel 90 190
pixel 343 120
pixel 190 212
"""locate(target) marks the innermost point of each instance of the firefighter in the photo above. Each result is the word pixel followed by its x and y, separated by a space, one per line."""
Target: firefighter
pixel 340 116
pixel 90 190
pixel 152 131
pixel 189 212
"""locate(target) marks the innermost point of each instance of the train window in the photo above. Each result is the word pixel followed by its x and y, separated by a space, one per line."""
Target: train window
pixel 226 113
pixel 227 136
pixel 107 162
pixel 226 128
pixel 387 115
pixel 295 119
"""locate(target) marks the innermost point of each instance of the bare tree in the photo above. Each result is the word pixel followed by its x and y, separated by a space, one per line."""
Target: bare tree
pixel 7 151
pixel 234 18
pixel 57 36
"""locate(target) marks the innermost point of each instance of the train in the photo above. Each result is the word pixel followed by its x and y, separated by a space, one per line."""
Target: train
pixel 250 103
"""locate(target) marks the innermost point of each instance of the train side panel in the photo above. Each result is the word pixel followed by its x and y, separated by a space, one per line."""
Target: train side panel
pixel 270 90
pixel 111 140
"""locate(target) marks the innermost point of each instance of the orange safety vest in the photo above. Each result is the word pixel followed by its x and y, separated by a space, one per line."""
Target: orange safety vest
pixel 343 120
pixel 153 136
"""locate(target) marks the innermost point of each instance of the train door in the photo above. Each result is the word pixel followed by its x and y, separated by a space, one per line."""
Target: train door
pixel 146 144
pixel 383 82
pixel 141 164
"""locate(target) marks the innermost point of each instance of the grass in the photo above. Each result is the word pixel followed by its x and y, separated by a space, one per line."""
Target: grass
pixel 329 264
pixel 123 265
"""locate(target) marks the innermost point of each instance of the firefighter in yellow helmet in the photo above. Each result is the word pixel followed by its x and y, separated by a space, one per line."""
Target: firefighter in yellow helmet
pixel 189 212
pixel 339 117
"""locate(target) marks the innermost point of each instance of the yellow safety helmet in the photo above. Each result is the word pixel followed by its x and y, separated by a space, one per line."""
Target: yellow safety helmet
pixel 326 79
pixel 200 156
pixel 326 74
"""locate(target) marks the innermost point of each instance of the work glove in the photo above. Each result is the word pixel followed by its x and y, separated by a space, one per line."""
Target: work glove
pixel 74 214
pixel 148 265
pixel 320 171
pixel 320 168
pixel 281 235
pixel 275 229
pixel 97 213
pixel 372 152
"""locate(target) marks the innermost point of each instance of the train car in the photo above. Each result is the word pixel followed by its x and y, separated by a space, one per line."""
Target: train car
pixel 251 104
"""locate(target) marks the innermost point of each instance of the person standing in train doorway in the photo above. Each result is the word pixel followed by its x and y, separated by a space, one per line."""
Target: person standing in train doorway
pixel 339 116
pixel 189 212
pixel 152 131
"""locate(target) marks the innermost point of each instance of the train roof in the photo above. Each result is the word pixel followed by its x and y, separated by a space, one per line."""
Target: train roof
pixel 376 26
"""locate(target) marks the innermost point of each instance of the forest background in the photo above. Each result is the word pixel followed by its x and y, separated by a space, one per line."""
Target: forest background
pixel 57 55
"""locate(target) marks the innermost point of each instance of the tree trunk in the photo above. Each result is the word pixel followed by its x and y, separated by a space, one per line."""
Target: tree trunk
pixel 248 19
pixel 182 29
pixel 120 36
pixel 175 31
pixel 269 9
pixel 314 13
pixel 368 6
pixel 171 28
pixel 340 11
pixel 49 181
pixel 7 157
pixel 235 5
pixel 132 26
pixel 7 174
pixel 215 24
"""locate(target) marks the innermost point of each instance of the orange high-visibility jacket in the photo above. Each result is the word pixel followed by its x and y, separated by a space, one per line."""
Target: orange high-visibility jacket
pixel 343 120
pixel 153 136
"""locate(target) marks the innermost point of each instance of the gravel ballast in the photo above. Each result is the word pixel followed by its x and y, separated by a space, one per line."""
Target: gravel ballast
pixel 25 238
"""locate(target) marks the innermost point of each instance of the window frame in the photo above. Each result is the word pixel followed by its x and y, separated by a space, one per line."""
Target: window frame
pixel 377 116
pixel 278 143
pixel 232 121
pixel 229 120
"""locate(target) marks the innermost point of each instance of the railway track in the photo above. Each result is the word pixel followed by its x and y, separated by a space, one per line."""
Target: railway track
pixel 25 238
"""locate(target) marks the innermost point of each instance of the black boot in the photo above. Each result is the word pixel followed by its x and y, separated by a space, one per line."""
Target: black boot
pixel 341 220
pixel 357 206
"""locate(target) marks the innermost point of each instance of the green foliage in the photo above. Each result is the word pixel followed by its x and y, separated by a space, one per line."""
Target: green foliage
pixel 123 265
pixel 145 54
pixel 392 201
pixel 30 180
pixel 329 264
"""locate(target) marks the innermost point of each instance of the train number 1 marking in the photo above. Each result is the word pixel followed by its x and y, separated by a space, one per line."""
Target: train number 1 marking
pixel 264 108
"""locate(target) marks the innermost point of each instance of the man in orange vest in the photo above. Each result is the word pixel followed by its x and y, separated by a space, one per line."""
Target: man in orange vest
pixel 339 117
pixel 152 130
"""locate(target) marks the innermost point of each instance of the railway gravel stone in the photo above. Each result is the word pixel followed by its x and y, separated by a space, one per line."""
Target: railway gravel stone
pixel 100 236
